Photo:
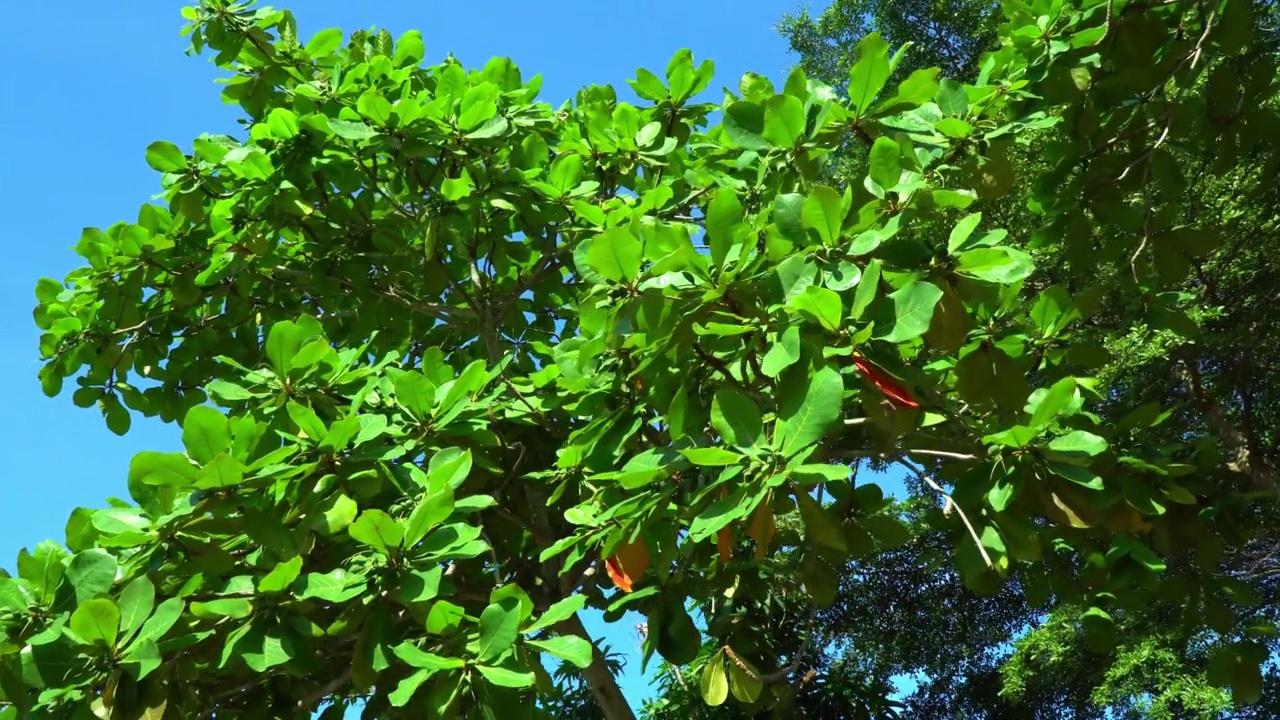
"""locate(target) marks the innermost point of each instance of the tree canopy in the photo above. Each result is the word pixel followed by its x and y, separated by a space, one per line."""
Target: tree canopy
pixel 452 364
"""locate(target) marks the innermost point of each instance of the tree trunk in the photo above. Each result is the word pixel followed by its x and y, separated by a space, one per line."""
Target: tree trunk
pixel 602 682
pixel 1245 457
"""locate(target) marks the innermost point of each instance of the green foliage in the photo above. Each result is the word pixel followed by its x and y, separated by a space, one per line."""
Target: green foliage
pixel 447 358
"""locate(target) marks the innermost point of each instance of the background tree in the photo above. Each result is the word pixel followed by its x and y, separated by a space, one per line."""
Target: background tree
pixel 478 359
pixel 951 35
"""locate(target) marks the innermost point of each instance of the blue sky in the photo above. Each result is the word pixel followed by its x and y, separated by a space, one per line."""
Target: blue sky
pixel 102 80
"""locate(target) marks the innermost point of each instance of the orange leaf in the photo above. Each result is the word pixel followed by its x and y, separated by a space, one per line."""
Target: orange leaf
pixel 895 391
pixel 762 529
pixel 614 567
pixel 628 563
pixel 724 543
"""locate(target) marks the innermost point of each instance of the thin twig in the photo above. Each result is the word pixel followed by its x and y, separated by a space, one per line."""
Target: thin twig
pixel 951 504
pixel 325 690
pixel 941 453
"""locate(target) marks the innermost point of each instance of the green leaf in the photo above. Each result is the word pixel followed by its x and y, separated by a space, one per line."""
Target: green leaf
pixel 334 586
pixel 409 49
pixel 648 86
pixel 843 276
pixel 403 694
pixel 478 104
pixel 717 515
pixel 205 433
pixel 715 685
pixel 952 99
pixel 418 586
pixel 373 106
pixel 823 212
pixel 783 121
pixel 868 76
pixel 433 509
pixel 144 655
pixel 805 416
pixel 919 88
pixel 794 276
pixel 566 647
pixel 949 327
pixel 885 163
pixel 867 288
pixel 962 231
pixel 615 255
pixel 1059 397
pixel 137 600
pixel 499 625
pixel 281 576
pixel 736 418
pixel 335 515
pixel 566 170
pixel 163 469
pixel 1001 494
pixel 307 421
pixel 782 353
pixel 1001 265
pixel 223 472
pixel 504 677
pixel 1053 311
pixel 819 527
pixel 744 124
pixel 351 129
pixel 166 614
pixel 821 305
pixel 1079 442
pixel 229 391
pixel 711 457
pixel 283 123
pixel 97 621
pixel 277 649
pixel 234 607
pixel 444 617
pixel 90 573
pixel 283 342
pixel 562 610
pixel 788 213
pixel 913 306
pixel 325 42
pixel 340 434
pixel 724 215
pixel 1079 475
pixel 491 128
pixel 48 290
pixel 166 157
pixel 448 468
pixel 415 657
pixel 377 530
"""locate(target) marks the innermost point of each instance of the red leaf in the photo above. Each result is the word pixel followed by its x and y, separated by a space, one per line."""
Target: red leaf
pixel 895 391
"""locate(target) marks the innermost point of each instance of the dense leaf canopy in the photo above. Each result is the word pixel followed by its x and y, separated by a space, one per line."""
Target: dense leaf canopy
pixel 452 364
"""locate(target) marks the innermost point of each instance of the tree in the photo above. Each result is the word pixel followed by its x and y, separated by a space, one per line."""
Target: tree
pixel 951 35
pixel 450 363
pixel 1231 197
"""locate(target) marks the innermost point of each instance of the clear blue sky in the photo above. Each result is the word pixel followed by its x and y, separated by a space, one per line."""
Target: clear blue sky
pixel 102 80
